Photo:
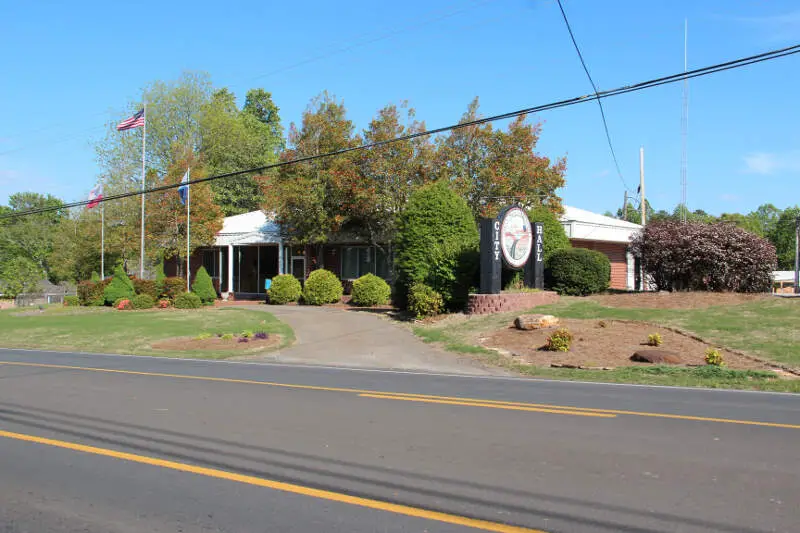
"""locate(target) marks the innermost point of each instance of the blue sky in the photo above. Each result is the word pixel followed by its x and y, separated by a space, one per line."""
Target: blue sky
pixel 69 67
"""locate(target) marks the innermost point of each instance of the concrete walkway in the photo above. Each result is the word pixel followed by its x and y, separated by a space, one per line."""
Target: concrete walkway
pixel 361 339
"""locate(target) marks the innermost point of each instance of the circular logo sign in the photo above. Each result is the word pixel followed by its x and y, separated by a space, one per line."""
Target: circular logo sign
pixel 516 238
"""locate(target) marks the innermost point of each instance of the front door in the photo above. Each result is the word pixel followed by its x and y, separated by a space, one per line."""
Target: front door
pixel 299 267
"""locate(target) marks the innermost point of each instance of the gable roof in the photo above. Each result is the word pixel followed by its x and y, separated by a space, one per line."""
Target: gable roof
pixel 255 227
pixel 585 225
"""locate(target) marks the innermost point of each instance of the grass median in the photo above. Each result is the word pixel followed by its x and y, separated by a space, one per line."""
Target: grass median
pixel 103 330
pixel 766 328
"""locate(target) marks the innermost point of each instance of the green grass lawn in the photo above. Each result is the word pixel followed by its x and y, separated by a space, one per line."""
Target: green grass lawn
pixel 767 328
pixel 104 330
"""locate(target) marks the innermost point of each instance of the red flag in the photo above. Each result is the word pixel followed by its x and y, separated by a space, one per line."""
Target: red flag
pixel 136 121
pixel 95 195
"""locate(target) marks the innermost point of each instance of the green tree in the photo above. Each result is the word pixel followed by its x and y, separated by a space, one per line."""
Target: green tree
pixel 19 275
pixel 783 237
pixel 767 215
pixel 437 243
pixel 555 238
pixel 204 287
pixel 634 213
pixel 30 236
pixel 316 198
pixel 746 222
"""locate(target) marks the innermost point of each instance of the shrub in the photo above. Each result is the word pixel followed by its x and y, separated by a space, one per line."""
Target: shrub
pixel 204 287
pixel 123 304
pixel 95 277
pixel 654 339
pixel 437 244
pixel 120 286
pixel 322 287
pixel 163 304
pixel 370 290
pixel 226 336
pixel 285 288
pixel 243 339
pixel 203 336
pixel 173 286
pixel 714 358
pixel 261 335
pixel 702 256
pixel 559 341
pixel 160 276
pixel 555 238
pixel 188 300
pixel 71 301
pixel 91 293
pixel 143 301
pixel 246 334
pixel 578 271
pixel 145 286
pixel 424 301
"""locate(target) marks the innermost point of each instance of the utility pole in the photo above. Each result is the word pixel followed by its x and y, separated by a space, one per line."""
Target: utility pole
pixel 797 255
pixel 641 186
pixel 625 207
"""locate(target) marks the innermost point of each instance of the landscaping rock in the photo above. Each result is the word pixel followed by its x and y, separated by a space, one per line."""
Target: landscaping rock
pixel 528 322
pixel 657 356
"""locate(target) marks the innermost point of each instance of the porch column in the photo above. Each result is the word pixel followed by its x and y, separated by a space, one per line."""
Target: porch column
pixel 219 269
pixel 280 257
pixel 630 263
pixel 230 269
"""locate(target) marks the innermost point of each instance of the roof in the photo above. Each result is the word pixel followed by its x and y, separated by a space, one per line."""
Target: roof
pixel 783 275
pixel 585 225
pixel 255 227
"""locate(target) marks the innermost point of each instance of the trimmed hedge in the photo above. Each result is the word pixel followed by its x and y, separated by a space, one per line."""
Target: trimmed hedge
pixel 188 300
pixel 285 288
pixel 369 290
pixel 143 301
pixel 437 244
pixel 119 287
pixel 322 287
pixel 91 293
pixel 204 287
pixel 578 271
pixel 71 301
pixel 173 286
pixel 424 301
pixel 145 286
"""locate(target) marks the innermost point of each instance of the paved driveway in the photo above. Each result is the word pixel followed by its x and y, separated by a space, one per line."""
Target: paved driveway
pixel 362 339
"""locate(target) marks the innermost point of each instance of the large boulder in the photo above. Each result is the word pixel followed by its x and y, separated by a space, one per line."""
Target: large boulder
pixel 528 322
pixel 660 357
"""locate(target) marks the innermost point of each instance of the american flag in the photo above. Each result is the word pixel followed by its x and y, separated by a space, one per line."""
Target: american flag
pixel 135 121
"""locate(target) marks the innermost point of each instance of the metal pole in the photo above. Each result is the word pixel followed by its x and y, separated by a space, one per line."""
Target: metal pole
pixel 144 138
pixel 797 255
pixel 641 185
pixel 625 207
pixel 103 241
pixel 188 224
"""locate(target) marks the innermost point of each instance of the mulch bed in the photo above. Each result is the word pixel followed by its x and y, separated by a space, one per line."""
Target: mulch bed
pixel 675 300
pixel 610 346
pixel 216 343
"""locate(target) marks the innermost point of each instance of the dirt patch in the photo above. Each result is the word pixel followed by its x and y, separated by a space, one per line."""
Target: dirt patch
pixel 675 300
pixel 217 344
pixel 609 346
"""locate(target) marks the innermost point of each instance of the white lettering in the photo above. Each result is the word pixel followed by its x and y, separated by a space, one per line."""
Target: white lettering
pixel 497 256
pixel 539 257
pixel 539 238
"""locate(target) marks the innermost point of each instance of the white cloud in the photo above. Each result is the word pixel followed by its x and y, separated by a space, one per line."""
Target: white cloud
pixel 768 163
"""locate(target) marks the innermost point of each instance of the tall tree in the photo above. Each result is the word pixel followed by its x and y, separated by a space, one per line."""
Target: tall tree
pixel 767 215
pixel 490 167
pixel 746 222
pixel 783 237
pixel 30 236
pixel 315 198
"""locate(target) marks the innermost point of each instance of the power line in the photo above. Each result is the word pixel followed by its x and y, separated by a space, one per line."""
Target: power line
pixel 672 78
pixel 599 102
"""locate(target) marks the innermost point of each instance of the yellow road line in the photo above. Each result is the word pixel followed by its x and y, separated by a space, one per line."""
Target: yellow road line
pixel 488 405
pixel 483 525
pixel 410 395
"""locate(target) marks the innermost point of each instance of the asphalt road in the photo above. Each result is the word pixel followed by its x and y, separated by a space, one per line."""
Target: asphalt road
pixel 96 443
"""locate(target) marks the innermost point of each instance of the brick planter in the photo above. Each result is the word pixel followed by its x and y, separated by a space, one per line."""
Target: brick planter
pixel 484 304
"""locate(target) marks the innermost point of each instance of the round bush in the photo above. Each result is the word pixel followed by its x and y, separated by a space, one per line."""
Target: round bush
pixel 285 288
pixel 71 301
pixel 188 300
pixel 578 271
pixel 203 286
pixel 370 290
pixel 172 287
pixel 424 301
pixel 322 287
pixel 555 238
pixel 145 286
pixel 143 301
pixel 122 304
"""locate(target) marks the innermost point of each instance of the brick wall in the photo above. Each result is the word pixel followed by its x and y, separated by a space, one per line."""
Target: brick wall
pixel 484 304
pixel 616 253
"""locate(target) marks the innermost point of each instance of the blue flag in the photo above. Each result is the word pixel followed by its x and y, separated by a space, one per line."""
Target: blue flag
pixel 183 190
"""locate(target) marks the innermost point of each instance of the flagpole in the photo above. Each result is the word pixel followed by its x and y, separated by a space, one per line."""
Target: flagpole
pixel 102 241
pixel 188 224
pixel 144 138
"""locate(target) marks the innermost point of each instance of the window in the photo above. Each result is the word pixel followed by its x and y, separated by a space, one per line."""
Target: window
pixel 360 260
